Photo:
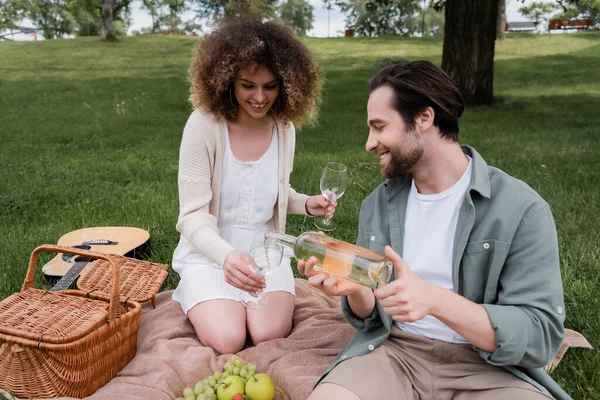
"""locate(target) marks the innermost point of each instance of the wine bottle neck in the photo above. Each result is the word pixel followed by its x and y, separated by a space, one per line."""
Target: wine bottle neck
pixel 281 238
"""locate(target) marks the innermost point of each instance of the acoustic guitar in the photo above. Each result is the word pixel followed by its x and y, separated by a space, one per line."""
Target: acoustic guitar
pixel 110 239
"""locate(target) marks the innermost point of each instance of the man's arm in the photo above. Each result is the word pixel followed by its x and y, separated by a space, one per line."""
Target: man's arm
pixel 529 314
pixel 468 319
pixel 362 303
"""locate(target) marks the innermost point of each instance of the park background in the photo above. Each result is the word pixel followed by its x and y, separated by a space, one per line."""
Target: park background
pixel 90 134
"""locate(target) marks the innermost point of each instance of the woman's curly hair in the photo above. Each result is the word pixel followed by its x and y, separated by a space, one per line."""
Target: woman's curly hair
pixel 239 42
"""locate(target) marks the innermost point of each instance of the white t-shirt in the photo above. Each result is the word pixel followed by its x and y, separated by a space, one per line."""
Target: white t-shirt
pixel 429 231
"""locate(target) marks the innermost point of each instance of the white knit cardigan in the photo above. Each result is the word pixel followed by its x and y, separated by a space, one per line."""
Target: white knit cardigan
pixel 199 178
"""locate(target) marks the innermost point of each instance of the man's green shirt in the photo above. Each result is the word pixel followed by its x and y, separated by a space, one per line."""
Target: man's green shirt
pixel 505 257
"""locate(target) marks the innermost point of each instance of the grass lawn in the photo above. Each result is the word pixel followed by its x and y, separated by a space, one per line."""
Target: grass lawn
pixel 90 135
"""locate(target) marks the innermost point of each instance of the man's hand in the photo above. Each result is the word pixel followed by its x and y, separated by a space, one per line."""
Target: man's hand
pixel 319 205
pixel 330 285
pixel 238 273
pixel 409 298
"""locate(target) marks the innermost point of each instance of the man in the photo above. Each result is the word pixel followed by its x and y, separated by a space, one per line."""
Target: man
pixel 476 308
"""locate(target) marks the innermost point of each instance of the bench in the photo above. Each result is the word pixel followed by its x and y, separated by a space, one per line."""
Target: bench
pixel 522 26
pixel 565 24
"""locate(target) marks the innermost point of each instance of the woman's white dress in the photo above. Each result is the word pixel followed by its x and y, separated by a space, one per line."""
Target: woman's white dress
pixel 248 197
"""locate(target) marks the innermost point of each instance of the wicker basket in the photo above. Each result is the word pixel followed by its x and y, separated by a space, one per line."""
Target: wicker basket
pixel 140 280
pixel 67 343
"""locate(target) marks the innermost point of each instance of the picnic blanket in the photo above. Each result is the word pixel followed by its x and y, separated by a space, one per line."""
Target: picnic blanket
pixel 170 357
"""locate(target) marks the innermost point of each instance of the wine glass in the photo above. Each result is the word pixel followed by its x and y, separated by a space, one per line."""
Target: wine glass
pixel 333 185
pixel 263 256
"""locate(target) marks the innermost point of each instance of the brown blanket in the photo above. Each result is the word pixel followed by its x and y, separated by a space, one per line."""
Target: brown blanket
pixel 170 357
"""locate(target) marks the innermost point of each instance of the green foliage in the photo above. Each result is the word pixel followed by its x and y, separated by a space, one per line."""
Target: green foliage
pixel 168 15
pixel 297 14
pixel 434 21
pixel 154 8
pixel 11 13
pixel 381 17
pixel 57 18
pixel 215 10
pixel 172 17
pixel 52 16
pixel 580 8
pixel 538 11
pixel 568 12
pixel 87 16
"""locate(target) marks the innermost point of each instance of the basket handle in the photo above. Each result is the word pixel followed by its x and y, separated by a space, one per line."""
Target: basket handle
pixel 114 306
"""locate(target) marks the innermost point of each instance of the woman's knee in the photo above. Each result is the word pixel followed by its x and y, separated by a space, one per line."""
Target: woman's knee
pixel 274 321
pixel 220 324
pixel 223 341
pixel 272 331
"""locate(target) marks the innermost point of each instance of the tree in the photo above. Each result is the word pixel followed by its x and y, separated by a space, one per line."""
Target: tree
pixel 87 16
pixel 537 10
pixel 52 16
pixel 501 20
pixel 11 13
pixel 433 21
pixel 298 15
pixel 215 10
pixel 106 21
pixel 469 45
pixel 111 11
pixel 172 18
pixel 381 17
pixel 575 8
pixel 153 7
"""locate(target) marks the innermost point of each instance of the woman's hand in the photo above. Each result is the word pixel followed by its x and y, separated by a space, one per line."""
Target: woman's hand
pixel 319 205
pixel 238 273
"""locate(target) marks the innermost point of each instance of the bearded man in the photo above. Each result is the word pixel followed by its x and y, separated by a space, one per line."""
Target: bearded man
pixel 476 307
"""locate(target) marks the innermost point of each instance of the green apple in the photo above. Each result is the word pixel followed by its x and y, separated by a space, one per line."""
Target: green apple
pixel 260 387
pixel 230 386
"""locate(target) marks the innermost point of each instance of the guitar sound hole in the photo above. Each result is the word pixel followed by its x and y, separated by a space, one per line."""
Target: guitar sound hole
pixel 69 257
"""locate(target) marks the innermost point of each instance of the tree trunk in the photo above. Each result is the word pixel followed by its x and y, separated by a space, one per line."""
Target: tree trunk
pixel 501 21
pixel 468 54
pixel 106 20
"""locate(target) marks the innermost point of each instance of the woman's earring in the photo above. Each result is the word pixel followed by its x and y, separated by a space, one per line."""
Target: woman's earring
pixel 231 96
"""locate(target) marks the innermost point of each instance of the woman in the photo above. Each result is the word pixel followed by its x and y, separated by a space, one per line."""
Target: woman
pixel 250 80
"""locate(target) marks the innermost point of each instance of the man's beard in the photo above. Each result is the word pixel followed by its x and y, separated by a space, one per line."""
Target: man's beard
pixel 402 163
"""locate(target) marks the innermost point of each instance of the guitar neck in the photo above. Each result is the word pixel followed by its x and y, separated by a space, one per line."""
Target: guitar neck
pixel 70 276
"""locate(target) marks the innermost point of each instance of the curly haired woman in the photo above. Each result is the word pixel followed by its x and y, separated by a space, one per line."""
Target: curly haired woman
pixel 250 81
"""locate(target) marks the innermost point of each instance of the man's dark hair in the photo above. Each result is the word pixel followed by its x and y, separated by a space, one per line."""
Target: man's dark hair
pixel 418 85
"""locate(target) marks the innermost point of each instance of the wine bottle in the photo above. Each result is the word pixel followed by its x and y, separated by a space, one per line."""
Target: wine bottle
pixel 337 258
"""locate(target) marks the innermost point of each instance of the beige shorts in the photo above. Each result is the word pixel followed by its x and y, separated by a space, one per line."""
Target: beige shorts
pixel 409 366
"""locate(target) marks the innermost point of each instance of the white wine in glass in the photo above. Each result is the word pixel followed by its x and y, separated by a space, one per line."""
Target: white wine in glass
pixel 334 181
pixel 264 255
